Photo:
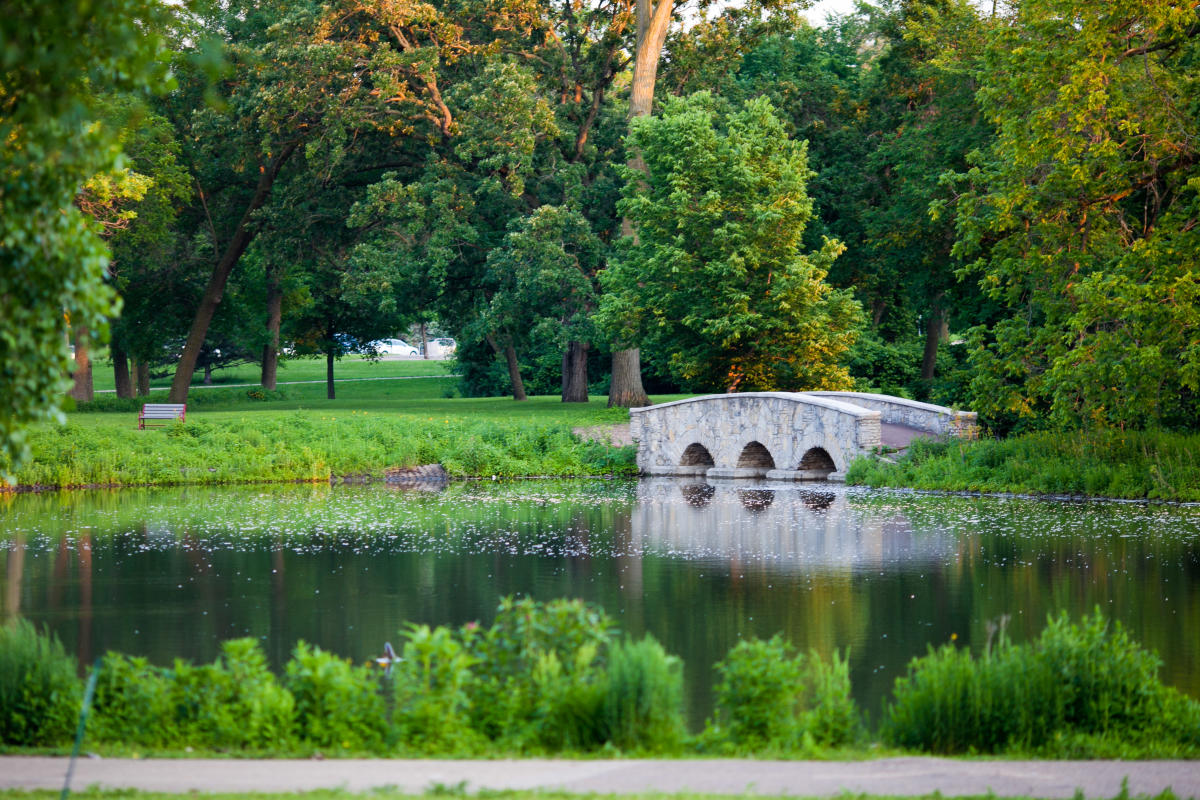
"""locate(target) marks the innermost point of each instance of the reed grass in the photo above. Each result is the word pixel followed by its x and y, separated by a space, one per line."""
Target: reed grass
pixel 1079 690
pixel 39 693
pixel 642 709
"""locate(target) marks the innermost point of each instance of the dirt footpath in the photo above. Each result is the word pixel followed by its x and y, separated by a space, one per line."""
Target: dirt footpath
pixel 616 435
pixel 891 776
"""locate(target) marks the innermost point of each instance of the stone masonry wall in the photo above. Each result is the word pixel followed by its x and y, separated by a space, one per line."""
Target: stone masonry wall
pixel 922 416
pixel 787 424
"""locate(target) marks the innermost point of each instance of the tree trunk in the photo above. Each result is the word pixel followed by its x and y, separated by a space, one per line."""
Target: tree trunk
pixel 208 374
pixel 626 388
pixel 627 373
pixel 270 355
pixel 329 392
pixel 878 307
pixel 514 372
pixel 424 341
pixel 514 369
pixel 121 372
pixel 142 369
pixel 575 374
pixel 242 237
pixel 81 390
pixel 652 26
pixel 935 330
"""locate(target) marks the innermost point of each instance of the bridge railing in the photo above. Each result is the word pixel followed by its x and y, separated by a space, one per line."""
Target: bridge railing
pixel 928 417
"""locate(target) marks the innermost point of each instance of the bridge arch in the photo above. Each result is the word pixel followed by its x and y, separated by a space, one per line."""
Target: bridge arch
pixel 696 455
pixel 756 456
pixel 817 464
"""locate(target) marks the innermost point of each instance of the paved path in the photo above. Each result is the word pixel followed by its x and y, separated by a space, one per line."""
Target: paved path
pixel 900 437
pixel 890 776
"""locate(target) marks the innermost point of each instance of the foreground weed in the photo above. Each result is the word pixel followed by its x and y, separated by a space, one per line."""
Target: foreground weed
pixel 1076 691
pixel 39 692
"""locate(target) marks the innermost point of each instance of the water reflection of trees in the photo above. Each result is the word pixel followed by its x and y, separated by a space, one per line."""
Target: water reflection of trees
pixel 882 574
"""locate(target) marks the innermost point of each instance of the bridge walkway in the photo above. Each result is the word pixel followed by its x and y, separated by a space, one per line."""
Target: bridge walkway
pixel 898 437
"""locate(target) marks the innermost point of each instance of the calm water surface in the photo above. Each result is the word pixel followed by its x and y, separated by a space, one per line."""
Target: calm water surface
pixel 171 572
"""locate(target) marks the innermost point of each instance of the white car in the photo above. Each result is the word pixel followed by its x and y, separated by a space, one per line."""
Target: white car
pixel 394 347
pixel 442 347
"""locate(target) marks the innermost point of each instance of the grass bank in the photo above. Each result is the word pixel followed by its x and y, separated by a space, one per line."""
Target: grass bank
pixel 307 444
pixel 1100 463
pixel 392 415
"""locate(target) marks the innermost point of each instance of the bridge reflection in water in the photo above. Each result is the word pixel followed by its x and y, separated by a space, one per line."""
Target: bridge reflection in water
pixel 785 526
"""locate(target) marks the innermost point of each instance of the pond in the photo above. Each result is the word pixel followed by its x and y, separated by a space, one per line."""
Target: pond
pixel 170 573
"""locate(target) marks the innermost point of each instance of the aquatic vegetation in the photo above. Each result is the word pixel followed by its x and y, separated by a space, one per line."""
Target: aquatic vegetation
pixel 234 702
pixel 539 670
pixel 1079 690
pixel 132 704
pixel 431 689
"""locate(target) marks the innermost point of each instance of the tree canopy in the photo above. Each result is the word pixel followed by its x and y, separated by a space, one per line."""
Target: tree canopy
pixel 716 284
pixel 53 141
pixel 990 207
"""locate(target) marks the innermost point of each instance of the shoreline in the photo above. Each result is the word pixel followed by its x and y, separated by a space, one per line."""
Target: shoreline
pixel 370 480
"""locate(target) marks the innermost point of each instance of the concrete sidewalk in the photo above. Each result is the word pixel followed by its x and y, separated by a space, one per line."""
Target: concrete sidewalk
pixel 891 776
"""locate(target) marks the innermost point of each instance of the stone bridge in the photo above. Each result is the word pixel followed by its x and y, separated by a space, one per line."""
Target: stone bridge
pixel 782 435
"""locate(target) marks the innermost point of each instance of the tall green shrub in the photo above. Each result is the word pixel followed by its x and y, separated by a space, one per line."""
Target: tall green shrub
pixel 132 704
pixel 338 705
pixel 39 690
pixel 532 659
pixel 770 699
pixel 828 715
pixel 431 687
pixel 755 702
pixel 643 697
pixel 233 703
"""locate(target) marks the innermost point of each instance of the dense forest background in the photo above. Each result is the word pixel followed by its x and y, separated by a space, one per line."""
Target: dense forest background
pixel 993 206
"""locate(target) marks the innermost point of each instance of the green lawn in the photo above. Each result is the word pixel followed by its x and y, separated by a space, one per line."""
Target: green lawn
pixel 242 434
